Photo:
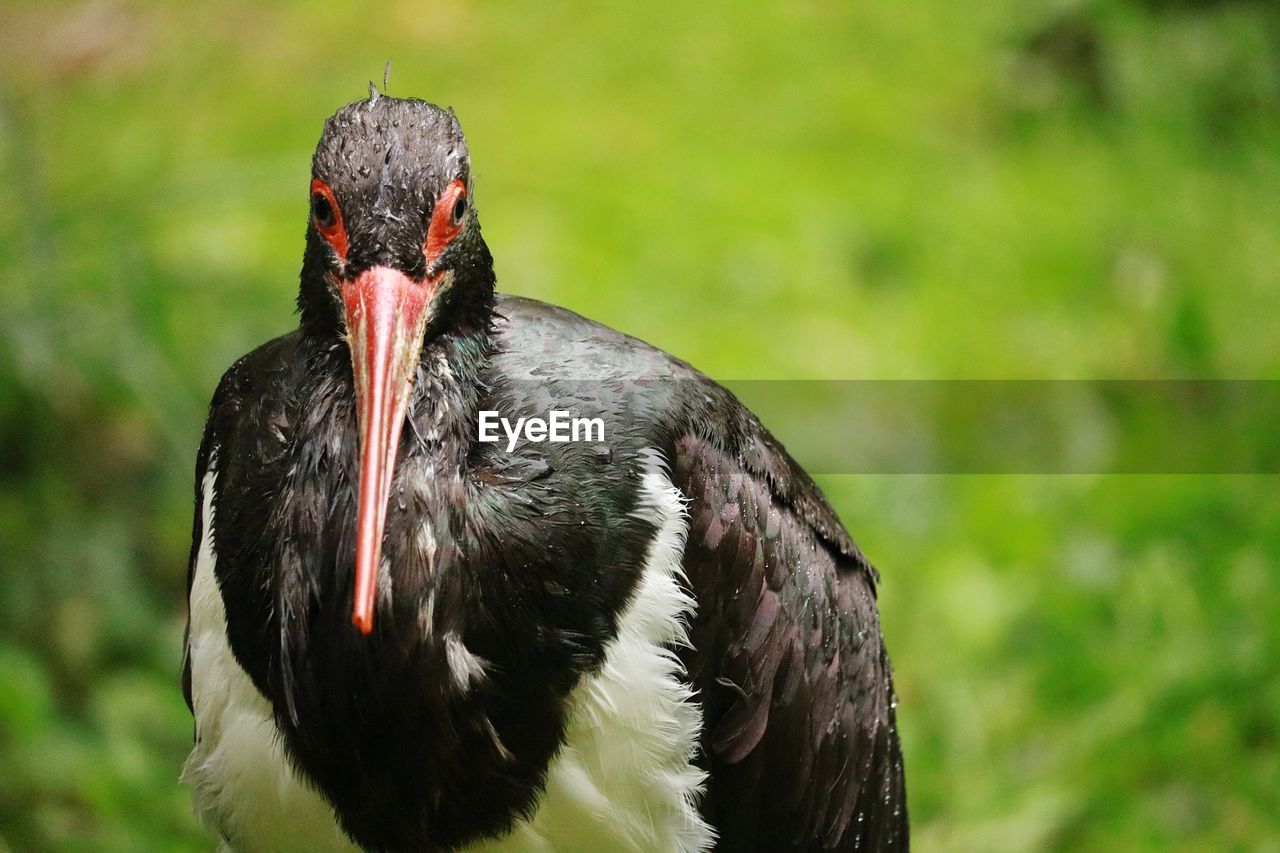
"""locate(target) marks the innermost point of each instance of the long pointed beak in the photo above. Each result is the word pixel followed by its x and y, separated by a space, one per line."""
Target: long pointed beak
pixel 386 318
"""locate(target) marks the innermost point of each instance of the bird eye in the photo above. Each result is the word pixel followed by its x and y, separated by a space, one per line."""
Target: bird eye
pixel 327 217
pixel 446 220
pixel 322 211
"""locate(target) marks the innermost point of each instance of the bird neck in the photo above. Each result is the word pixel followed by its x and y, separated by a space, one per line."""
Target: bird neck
pixel 448 387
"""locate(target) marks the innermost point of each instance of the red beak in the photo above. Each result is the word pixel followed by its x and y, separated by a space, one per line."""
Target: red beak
pixel 386 317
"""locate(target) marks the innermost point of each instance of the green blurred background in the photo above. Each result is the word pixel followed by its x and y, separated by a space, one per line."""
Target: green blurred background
pixel 786 190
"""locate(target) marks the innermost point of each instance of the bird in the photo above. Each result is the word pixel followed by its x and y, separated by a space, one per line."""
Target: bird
pixel 653 635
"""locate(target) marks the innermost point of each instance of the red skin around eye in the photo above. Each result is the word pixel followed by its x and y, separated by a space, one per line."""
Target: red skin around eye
pixel 336 234
pixel 442 230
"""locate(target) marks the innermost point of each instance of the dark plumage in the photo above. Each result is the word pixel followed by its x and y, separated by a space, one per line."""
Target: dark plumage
pixel 505 574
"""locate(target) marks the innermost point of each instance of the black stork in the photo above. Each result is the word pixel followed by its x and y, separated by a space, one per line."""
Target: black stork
pixel 404 638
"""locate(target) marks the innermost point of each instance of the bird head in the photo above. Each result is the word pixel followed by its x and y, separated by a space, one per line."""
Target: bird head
pixel 394 255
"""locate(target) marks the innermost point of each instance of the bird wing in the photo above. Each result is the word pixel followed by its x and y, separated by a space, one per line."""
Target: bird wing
pixel 197 535
pixel 785 647
pixel 245 430
pixel 786 653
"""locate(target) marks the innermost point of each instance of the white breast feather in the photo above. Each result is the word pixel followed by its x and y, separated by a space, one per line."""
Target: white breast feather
pixel 624 779
pixel 243 785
